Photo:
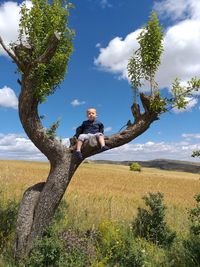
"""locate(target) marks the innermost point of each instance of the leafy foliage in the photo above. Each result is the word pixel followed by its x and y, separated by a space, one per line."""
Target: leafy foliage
pixel 51 132
pixel 37 26
pixel 150 224
pixel 8 216
pixel 150 40
pixel 46 252
pixel 59 249
pixel 135 167
pixel 196 153
pixel 192 244
pixel 117 248
pixel 180 92
pixel 144 63
pixel 186 252
pixel 146 60
pixel 195 218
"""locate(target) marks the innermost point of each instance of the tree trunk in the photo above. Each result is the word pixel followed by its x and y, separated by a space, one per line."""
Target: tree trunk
pixel 39 204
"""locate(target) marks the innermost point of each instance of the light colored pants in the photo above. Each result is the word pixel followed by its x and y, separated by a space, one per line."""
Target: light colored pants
pixel 83 137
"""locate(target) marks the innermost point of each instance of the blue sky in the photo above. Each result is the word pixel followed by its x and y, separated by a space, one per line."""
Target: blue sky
pixel 106 32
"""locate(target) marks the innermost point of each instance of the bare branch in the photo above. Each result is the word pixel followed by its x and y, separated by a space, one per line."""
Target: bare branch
pixel 10 53
pixel 19 82
pixel 50 50
pixel 135 108
pixel 145 102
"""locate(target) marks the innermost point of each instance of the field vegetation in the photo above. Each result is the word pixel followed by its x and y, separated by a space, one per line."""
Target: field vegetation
pixel 105 198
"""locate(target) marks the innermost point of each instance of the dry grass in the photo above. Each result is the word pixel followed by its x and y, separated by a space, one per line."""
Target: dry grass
pixel 103 191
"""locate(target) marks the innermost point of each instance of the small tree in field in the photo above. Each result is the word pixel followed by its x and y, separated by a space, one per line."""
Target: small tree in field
pixel 196 153
pixel 150 223
pixel 136 167
pixel 42 55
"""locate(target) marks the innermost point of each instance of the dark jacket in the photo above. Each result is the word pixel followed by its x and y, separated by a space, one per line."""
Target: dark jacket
pixel 92 127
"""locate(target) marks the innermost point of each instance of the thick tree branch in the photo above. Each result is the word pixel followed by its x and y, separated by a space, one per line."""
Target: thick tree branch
pixel 50 50
pixel 135 108
pixel 25 217
pixel 12 55
pixel 146 102
pixel 28 113
pixel 141 124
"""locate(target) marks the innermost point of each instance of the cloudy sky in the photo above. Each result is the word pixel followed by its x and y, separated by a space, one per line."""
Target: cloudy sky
pixel 106 32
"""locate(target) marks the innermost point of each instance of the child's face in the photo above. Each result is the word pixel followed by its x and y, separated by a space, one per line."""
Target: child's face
pixel 91 114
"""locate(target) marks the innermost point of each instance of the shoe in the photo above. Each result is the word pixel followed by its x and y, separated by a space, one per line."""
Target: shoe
pixel 78 155
pixel 104 148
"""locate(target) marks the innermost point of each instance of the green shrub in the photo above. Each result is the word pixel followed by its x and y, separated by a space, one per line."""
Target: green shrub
pixel 46 252
pixel 192 244
pixel 118 248
pixel 150 224
pixel 64 249
pixel 135 167
pixel 59 218
pixel 52 250
pixel 195 218
pixel 8 216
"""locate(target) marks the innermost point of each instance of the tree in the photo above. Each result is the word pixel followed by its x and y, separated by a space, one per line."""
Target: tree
pixel 196 153
pixel 41 55
pixel 136 167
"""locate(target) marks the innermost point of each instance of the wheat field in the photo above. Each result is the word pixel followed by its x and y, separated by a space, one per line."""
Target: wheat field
pixel 103 191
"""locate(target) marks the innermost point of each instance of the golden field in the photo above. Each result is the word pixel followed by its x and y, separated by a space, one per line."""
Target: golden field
pixel 103 191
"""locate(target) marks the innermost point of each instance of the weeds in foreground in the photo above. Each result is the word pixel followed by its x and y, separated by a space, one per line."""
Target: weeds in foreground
pixel 112 243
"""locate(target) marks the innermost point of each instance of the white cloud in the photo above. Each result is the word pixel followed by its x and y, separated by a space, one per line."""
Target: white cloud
pixel 114 58
pixel 171 8
pixel 66 142
pixel 181 53
pixel 15 146
pixel 105 3
pixel 98 45
pixel 178 9
pixel 9 21
pixel 20 147
pixel 151 150
pixel 77 102
pixel 191 136
pixel 181 57
pixel 108 129
pixel 8 98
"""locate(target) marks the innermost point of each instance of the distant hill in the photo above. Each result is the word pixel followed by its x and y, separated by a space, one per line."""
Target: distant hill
pixel 163 164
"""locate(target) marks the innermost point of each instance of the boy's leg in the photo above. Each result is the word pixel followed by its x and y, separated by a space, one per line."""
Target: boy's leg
pixel 102 143
pixel 101 140
pixel 79 145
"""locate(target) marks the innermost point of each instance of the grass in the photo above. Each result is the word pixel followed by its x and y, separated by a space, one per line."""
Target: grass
pixel 102 191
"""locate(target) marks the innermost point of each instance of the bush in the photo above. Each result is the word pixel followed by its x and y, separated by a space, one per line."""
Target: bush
pixel 192 244
pixel 117 248
pixel 135 167
pixel 46 252
pixel 59 249
pixel 59 218
pixel 8 216
pixel 54 250
pixel 150 224
pixel 195 218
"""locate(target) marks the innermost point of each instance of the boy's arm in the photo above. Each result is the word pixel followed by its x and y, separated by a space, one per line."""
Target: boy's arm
pixel 79 130
pixel 101 128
